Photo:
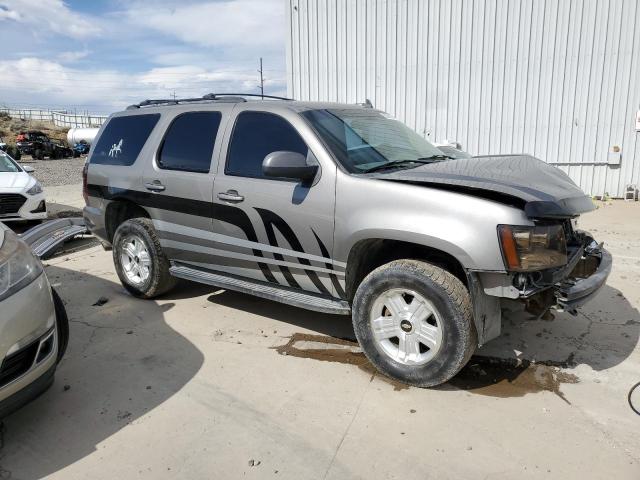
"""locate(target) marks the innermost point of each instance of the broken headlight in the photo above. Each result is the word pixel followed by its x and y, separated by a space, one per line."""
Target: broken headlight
pixel 526 249
pixel 18 265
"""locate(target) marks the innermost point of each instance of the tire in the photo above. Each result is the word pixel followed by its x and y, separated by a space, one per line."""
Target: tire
pixel 38 154
pixel 62 325
pixel 158 279
pixel 451 325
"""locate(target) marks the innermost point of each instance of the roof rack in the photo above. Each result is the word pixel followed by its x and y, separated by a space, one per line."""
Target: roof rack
pixel 209 97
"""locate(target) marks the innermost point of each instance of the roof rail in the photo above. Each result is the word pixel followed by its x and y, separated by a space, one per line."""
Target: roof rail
pixel 214 96
pixel 209 97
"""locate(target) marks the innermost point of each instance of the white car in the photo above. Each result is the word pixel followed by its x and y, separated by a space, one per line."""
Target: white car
pixel 21 195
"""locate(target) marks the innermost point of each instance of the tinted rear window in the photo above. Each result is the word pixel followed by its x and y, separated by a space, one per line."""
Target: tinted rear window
pixel 188 144
pixel 123 138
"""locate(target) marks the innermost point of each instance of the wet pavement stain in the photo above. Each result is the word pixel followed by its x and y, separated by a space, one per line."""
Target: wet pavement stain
pixel 490 376
pixel 504 377
pixel 343 351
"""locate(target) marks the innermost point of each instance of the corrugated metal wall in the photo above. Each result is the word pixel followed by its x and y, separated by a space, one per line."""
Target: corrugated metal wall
pixel 559 79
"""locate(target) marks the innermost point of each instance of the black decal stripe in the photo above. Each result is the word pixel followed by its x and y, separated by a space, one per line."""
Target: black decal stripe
pixel 154 200
pixel 271 235
pixel 237 216
pixel 334 279
pixel 181 255
pixel 271 220
pixel 225 213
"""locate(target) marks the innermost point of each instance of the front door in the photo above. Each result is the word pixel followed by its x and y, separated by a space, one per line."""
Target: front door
pixel 273 230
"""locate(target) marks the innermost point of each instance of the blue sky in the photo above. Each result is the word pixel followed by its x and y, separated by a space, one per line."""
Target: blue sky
pixel 101 55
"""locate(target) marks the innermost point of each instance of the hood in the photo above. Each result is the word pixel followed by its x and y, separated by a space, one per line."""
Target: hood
pixel 545 191
pixel 17 180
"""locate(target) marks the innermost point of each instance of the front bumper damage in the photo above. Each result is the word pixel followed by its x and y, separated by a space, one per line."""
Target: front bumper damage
pixel 585 281
pixel 563 289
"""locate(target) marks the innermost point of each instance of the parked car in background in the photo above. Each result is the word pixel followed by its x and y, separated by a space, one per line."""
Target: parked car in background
pixel 452 150
pixel 39 145
pixel 34 329
pixel 340 209
pixel 21 195
pixel 3 144
pixel 61 150
pixel 81 148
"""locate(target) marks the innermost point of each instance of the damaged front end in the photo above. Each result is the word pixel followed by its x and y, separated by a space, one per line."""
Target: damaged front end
pixel 571 286
pixel 583 271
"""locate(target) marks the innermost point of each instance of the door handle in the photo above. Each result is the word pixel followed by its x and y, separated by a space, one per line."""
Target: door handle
pixel 231 196
pixel 155 186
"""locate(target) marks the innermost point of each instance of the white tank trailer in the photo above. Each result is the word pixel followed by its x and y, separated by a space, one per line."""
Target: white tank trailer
pixel 75 135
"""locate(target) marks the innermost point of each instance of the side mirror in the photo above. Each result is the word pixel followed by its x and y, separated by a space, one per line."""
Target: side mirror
pixel 28 169
pixel 293 165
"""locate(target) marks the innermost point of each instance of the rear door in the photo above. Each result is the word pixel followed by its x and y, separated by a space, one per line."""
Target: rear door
pixel 179 179
pixel 266 229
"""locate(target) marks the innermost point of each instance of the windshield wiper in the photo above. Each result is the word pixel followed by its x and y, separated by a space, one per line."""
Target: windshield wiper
pixel 436 157
pixel 399 163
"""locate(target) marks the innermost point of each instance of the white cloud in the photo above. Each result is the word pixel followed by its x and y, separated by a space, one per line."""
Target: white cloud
pixel 7 14
pixel 73 56
pixel 235 23
pixel 44 82
pixel 48 16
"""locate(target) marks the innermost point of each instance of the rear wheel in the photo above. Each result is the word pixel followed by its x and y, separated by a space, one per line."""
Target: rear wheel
pixel 414 322
pixel 142 266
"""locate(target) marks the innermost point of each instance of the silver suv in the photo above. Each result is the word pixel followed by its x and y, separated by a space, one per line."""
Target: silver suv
pixel 340 209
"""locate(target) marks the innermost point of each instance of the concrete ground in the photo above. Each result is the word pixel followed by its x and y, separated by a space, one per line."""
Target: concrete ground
pixel 205 383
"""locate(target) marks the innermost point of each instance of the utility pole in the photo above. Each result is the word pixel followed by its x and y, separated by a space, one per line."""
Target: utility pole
pixel 173 95
pixel 261 80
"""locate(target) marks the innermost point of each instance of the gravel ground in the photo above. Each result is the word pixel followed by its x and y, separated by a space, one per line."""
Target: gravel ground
pixel 66 171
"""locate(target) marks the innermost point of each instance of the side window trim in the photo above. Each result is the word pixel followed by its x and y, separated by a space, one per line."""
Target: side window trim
pixel 158 152
pixel 259 177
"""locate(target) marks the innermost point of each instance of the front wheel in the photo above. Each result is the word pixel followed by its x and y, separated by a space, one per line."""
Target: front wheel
pixel 414 322
pixel 62 324
pixel 142 266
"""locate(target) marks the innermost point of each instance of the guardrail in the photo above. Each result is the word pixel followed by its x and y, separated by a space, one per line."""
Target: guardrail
pixel 60 118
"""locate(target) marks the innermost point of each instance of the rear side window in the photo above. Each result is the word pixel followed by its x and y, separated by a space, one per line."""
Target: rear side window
pixel 188 144
pixel 256 135
pixel 123 138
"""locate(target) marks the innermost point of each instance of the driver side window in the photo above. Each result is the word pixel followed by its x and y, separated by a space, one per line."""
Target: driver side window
pixel 255 135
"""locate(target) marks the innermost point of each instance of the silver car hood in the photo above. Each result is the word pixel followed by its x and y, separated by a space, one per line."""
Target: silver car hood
pixel 543 190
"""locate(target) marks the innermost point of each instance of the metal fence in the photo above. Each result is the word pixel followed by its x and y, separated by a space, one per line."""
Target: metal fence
pixel 60 118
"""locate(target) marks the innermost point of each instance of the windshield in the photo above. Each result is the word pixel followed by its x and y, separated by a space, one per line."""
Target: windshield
pixel 7 164
pixel 366 139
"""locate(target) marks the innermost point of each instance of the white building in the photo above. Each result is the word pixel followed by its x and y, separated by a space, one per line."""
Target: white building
pixel 559 79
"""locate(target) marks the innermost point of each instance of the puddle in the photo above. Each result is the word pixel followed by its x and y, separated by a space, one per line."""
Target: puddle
pixel 503 377
pixel 331 349
pixel 491 376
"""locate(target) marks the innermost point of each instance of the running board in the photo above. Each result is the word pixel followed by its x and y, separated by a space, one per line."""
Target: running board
pixel 259 289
